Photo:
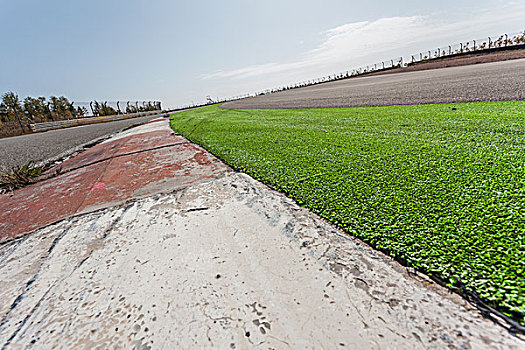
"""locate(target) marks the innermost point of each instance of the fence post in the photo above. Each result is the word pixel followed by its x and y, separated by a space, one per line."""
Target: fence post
pixel 48 110
pixel 19 121
pixel 73 110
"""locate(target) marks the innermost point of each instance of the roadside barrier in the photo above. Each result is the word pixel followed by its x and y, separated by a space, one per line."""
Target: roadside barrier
pixel 39 127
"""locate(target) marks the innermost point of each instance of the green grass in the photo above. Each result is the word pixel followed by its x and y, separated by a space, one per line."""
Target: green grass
pixel 441 189
pixel 19 176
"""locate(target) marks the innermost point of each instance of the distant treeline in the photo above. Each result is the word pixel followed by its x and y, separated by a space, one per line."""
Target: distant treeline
pixel 42 109
pixel 35 110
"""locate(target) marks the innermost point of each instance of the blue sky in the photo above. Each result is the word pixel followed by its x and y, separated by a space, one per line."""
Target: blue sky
pixel 181 51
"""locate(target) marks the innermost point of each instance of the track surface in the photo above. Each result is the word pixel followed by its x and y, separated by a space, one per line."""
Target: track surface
pixel 19 150
pixel 482 82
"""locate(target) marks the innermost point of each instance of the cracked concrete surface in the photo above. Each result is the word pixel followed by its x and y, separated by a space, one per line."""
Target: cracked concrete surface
pixel 141 162
pixel 222 263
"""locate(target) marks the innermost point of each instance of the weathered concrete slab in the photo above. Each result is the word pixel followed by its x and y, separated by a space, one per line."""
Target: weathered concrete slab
pixel 146 173
pixel 225 263
pixel 146 137
pixel 46 202
pixel 143 161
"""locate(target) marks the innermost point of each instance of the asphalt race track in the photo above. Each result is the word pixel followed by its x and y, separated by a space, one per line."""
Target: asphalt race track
pixel 19 150
pixel 481 82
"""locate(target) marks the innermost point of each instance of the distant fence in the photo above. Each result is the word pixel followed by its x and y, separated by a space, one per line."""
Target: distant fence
pixel 100 108
pixel 501 42
pixel 39 127
pixel 488 44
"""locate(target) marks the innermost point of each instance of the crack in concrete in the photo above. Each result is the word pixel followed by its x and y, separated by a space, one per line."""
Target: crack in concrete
pixel 33 279
pixel 22 295
pixel 125 154
pixel 14 245
pixel 27 317
pixel 36 275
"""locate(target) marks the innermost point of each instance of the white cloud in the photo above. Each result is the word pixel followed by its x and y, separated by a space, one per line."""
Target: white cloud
pixel 372 40
pixel 349 40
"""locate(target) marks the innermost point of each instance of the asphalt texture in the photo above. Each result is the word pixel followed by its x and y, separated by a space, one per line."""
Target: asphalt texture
pixel 19 150
pixel 481 82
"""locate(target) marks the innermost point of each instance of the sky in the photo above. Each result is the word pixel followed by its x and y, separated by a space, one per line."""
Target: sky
pixel 179 52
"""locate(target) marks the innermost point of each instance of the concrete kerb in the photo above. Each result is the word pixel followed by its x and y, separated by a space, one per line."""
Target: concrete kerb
pixel 131 165
pixel 54 161
pixel 123 204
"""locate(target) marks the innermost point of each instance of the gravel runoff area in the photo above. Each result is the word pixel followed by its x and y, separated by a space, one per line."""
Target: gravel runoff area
pixel 481 82
pixel 19 150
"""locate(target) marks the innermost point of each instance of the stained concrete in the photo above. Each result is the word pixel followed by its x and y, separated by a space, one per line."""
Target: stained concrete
pixel 152 159
pixel 220 262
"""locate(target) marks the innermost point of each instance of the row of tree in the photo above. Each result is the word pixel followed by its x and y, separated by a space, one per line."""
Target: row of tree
pixel 41 109
pixel 36 110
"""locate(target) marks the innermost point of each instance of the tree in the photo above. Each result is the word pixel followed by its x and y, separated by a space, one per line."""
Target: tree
pixel 81 111
pixel 11 103
pixel 102 108
pixel 131 108
pixel 60 107
pixel 37 109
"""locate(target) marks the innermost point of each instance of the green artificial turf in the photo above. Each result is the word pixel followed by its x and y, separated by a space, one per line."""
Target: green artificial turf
pixel 440 186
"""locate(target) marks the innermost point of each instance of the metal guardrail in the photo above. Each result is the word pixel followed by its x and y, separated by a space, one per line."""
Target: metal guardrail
pixel 39 127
